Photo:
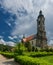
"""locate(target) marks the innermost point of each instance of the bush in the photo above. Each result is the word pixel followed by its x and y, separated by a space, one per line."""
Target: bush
pixel 51 50
pixel 37 54
pixel 40 54
pixel 19 49
pixel 7 55
pixel 36 50
pixel 47 50
pixel 25 60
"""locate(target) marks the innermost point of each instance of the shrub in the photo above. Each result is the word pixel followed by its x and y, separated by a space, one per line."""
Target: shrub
pixel 25 60
pixel 36 50
pixel 7 55
pixel 28 46
pixel 47 50
pixel 51 50
pixel 19 49
pixel 40 54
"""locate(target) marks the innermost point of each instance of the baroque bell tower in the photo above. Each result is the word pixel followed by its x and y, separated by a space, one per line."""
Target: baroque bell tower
pixel 41 33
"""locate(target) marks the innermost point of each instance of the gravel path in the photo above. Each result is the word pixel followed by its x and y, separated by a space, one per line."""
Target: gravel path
pixel 4 61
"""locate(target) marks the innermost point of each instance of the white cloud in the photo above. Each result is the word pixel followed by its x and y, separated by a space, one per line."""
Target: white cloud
pixel 2 42
pixel 21 36
pixel 10 43
pixel 1 37
pixel 9 24
pixel 12 37
pixel 27 23
pixel 51 1
pixel 13 5
pixel 51 42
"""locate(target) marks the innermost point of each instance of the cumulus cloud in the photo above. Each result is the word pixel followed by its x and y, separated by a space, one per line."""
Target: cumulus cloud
pixel 2 42
pixel 9 24
pixel 10 43
pixel 1 37
pixel 26 12
pixel 13 5
pixel 51 42
pixel 12 37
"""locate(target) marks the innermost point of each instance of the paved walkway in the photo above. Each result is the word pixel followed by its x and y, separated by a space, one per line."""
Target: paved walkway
pixel 4 61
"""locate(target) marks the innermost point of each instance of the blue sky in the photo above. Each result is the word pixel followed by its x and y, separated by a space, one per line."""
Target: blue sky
pixel 18 17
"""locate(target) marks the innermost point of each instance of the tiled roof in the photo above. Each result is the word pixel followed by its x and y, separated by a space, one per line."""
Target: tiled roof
pixel 29 38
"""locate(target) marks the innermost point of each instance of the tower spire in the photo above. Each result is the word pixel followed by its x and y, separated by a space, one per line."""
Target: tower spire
pixel 40 13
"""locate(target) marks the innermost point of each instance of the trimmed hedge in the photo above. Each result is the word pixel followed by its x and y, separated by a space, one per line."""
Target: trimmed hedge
pixel 7 54
pixel 38 54
pixel 41 54
pixel 25 60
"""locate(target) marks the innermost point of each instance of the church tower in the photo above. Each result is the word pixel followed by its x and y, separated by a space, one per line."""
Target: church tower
pixel 41 33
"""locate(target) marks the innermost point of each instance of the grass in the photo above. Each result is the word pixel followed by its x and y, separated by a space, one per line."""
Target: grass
pixel 47 59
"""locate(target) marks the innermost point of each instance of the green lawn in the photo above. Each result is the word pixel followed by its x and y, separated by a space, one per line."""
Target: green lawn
pixel 47 58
